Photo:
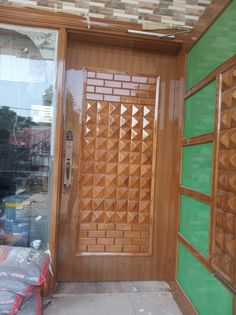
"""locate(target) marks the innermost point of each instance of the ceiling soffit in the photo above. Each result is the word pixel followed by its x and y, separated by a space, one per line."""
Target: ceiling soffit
pixel 153 14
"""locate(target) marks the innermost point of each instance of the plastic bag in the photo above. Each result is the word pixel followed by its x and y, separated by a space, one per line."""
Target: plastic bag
pixel 32 305
pixel 23 264
pixel 9 302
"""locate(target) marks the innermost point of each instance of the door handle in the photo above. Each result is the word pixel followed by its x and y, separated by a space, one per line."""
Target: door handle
pixel 68 160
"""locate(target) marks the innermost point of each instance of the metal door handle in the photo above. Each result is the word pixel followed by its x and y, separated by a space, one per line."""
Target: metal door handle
pixel 67 179
pixel 68 160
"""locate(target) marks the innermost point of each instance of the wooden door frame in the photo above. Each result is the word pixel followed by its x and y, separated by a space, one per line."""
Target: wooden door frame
pixel 72 24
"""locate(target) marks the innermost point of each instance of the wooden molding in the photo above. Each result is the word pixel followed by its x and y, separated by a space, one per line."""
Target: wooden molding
pixel 215 165
pixel 211 76
pixel 206 20
pixel 177 155
pixel 195 195
pixel 181 298
pixel 209 137
pixel 56 169
pixel 112 32
pixel 56 174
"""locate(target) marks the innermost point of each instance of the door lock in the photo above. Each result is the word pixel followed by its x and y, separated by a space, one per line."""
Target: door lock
pixel 68 160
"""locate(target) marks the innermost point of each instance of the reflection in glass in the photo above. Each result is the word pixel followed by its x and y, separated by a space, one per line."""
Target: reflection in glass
pixel 27 75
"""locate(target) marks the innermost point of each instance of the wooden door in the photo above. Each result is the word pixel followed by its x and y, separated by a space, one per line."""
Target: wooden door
pixel 109 218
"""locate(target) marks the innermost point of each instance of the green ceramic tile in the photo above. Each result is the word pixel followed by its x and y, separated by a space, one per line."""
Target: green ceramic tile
pixel 206 293
pixel 195 223
pixel 199 112
pixel 214 47
pixel 197 167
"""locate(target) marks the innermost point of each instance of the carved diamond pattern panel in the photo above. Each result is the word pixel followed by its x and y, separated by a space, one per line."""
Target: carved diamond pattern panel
pixel 225 233
pixel 117 166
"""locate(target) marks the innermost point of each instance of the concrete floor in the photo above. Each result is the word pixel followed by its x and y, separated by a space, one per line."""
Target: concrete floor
pixel 113 298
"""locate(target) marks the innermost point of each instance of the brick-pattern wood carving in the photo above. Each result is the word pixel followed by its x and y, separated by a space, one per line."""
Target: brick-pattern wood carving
pixel 117 164
pixel 225 237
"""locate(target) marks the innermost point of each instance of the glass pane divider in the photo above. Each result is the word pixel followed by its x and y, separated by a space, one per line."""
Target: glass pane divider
pixel 204 138
pixel 196 195
pixel 195 252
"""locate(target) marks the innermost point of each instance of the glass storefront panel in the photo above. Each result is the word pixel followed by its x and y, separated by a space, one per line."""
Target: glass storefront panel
pixel 197 167
pixel 27 116
pixel 199 113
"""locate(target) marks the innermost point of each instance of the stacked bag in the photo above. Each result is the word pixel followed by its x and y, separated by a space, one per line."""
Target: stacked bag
pixel 22 273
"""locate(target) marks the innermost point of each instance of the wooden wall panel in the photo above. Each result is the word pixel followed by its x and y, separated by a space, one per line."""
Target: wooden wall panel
pixel 221 260
pixel 224 256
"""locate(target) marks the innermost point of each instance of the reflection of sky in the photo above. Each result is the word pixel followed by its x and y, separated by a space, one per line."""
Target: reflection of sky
pixel 23 82
pixel 75 86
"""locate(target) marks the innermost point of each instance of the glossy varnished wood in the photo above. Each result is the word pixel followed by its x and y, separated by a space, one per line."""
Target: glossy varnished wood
pixel 117 165
pixel 56 163
pixel 177 133
pixel 224 248
pixel 56 170
pixel 215 163
pixel 161 265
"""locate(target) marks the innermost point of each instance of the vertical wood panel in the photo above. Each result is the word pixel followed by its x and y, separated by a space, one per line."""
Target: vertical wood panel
pixel 177 135
pixel 56 163
pixel 224 255
pixel 161 264
pixel 56 170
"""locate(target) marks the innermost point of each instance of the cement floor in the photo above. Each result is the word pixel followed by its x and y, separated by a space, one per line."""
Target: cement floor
pixel 113 298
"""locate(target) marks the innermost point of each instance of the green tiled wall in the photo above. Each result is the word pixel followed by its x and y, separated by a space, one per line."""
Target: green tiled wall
pixel 217 45
pixel 195 223
pixel 207 294
pixel 199 112
pixel 197 167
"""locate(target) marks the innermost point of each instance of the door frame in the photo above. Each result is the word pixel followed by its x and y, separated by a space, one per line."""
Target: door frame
pixel 70 25
pixel 74 26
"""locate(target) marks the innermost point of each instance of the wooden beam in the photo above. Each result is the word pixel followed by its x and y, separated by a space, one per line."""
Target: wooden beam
pixel 204 261
pixel 209 137
pixel 57 162
pixel 195 195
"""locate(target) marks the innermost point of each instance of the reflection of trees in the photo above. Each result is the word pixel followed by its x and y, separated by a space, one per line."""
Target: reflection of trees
pixel 48 95
pixel 27 149
pixel 8 119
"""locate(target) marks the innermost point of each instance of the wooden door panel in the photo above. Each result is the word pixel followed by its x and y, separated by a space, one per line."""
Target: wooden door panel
pixel 115 222
pixel 117 164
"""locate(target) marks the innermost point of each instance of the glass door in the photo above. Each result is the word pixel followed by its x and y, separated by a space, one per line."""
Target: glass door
pixel 27 116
